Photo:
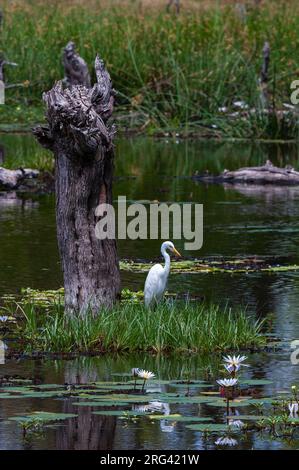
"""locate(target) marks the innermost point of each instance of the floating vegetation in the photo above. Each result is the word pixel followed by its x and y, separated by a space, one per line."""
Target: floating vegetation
pixel 127 400
pixel 195 266
pixel 42 417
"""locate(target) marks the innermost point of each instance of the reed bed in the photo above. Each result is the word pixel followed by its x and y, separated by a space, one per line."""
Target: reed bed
pixel 173 72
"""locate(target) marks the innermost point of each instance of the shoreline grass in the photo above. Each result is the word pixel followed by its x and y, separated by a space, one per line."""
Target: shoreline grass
pixel 174 72
pixel 172 327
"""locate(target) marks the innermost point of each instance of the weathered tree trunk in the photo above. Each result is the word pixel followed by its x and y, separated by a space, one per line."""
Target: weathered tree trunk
pixel 75 68
pixel 265 75
pixel 176 3
pixel 81 141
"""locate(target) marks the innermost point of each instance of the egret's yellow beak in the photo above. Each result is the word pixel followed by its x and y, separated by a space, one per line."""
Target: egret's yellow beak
pixel 177 253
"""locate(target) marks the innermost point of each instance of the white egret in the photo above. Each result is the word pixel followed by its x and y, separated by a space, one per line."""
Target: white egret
pixel 157 277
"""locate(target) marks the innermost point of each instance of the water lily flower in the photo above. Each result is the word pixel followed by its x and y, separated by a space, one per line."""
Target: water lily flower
pixel 235 361
pixel 3 319
pixel 145 374
pixel 231 368
pixel 227 382
pixel 226 441
pixel 135 371
pixel 293 408
pixel 237 423
pixel 140 408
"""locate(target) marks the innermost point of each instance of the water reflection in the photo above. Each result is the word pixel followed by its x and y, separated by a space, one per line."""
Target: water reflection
pixel 90 431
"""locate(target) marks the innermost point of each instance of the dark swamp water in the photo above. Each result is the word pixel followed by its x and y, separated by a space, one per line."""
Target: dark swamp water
pixel 238 221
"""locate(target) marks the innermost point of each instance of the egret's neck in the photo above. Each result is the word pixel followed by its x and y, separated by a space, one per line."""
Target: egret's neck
pixel 167 261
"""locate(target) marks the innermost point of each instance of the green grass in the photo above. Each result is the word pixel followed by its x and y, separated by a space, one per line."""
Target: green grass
pixel 173 326
pixel 175 72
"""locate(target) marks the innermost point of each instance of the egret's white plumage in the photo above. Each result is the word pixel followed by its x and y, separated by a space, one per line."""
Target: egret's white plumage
pixel 157 277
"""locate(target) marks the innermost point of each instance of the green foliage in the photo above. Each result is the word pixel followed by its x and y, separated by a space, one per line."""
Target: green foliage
pixel 172 72
pixel 173 326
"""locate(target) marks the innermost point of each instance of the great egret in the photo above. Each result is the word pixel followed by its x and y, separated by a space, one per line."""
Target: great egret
pixel 157 277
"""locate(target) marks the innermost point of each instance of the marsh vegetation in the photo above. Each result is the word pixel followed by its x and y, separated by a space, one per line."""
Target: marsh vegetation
pixel 177 73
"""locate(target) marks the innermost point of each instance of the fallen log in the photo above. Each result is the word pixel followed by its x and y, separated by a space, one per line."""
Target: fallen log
pixel 12 179
pixel 265 174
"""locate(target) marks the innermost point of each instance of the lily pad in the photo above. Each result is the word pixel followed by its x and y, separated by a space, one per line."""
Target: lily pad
pixel 43 416
pixel 191 385
pixel 266 400
pixel 256 382
pixel 178 417
pixel 247 417
pixel 121 413
pixel 101 403
pixel 232 404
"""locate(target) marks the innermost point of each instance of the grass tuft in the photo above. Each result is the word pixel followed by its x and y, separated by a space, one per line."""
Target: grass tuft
pixel 173 326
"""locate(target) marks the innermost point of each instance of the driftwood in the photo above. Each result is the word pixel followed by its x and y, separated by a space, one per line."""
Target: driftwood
pixel 75 68
pixel 81 139
pixel 266 174
pixel 12 179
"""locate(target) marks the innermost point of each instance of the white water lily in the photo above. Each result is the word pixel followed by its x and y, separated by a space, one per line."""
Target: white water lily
pixel 231 368
pixel 135 371
pixel 226 441
pixel 227 382
pixel 237 423
pixel 293 408
pixel 145 374
pixel 235 361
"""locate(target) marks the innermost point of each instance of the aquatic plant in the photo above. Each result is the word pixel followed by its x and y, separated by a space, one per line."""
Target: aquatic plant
pixel 227 383
pixel 119 399
pixel 145 375
pixel 181 326
pixel 234 363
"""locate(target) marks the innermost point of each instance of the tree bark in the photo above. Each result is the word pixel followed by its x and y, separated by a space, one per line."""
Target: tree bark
pixel 81 141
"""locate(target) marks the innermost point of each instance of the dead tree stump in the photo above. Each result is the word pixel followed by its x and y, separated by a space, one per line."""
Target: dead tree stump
pixel 81 140
pixel 75 68
pixel 176 3
pixel 264 77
